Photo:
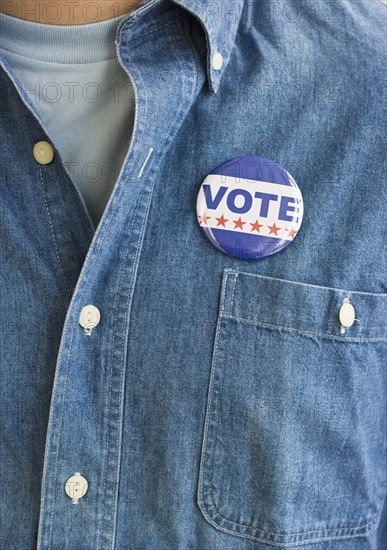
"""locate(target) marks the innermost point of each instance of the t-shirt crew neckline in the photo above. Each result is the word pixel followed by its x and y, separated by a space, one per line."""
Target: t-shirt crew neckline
pixel 67 44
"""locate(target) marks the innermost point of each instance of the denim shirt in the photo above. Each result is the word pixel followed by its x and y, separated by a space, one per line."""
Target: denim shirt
pixel 217 405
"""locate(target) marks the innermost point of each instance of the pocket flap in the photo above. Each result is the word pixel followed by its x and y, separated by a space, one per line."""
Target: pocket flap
pixel 298 307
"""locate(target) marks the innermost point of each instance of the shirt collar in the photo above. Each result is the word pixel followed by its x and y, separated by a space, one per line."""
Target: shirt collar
pixel 220 21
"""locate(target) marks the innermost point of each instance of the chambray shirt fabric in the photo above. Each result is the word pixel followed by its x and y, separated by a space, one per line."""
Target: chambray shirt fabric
pixel 81 93
pixel 217 405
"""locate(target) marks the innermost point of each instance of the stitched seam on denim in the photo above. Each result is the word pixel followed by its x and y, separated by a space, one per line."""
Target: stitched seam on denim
pixel 378 296
pixel 60 425
pixel 61 421
pixel 205 454
pixel 263 532
pixel 193 51
pixel 67 363
pixel 93 262
pixel 327 530
pixel 228 47
pixel 44 487
pixel 141 39
pixel 208 44
pixel 132 18
pixel 291 543
pixel 303 332
pixel 217 415
pixel 108 435
pixel 136 262
pixel 53 234
pixel 143 9
pixel 210 448
pixel 50 223
pixel 194 62
pixel 235 278
pixel 61 404
pixel 118 202
pixel 225 283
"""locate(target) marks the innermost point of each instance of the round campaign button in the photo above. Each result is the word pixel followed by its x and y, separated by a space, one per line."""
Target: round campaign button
pixel 250 208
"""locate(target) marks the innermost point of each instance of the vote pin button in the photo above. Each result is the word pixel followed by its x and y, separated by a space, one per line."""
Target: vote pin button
pixel 250 208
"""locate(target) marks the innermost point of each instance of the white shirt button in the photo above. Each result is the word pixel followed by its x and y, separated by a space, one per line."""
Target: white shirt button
pixel 347 315
pixel 217 61
pixel 76 487
pixel 43 152
pixel 89 317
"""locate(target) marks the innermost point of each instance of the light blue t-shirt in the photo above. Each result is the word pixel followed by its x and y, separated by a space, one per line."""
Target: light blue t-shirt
pixel 82 94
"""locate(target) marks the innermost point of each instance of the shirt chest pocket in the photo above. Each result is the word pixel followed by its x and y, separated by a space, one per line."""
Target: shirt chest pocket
pixel 295 429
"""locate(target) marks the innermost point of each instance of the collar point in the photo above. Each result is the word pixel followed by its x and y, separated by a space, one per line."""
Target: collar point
pixel 213 85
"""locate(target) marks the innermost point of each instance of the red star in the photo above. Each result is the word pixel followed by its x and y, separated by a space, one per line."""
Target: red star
pixel 292 234
pixel 239 223
pixel 256 226
pixel 274 229
pixel 221 221
pixel 204 218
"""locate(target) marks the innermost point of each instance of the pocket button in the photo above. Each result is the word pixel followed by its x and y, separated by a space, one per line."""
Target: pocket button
pixel 347 315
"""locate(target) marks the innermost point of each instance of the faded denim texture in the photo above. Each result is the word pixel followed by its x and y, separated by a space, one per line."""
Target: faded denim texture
pixel 217 405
